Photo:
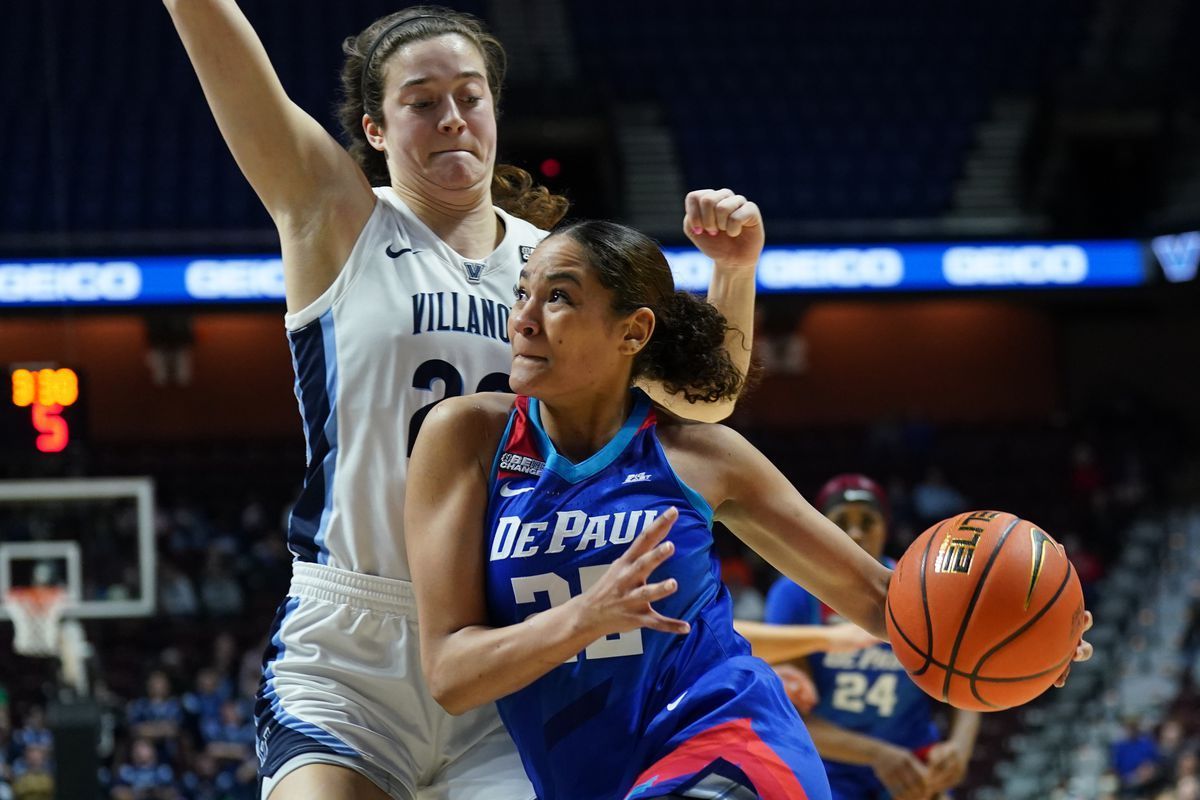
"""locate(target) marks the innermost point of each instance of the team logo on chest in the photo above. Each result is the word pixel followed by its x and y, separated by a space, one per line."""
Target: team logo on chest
pixel 474 270
pixel 526 252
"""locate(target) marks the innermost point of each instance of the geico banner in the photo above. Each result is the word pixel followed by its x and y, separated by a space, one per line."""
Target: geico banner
pixel 159 280
pixel 931 267
pixel 147 280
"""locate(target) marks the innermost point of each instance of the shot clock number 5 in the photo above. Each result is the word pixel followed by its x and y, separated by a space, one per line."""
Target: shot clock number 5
pixel 46 392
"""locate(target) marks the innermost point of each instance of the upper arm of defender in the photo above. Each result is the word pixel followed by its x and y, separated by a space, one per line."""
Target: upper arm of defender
pixel 313 190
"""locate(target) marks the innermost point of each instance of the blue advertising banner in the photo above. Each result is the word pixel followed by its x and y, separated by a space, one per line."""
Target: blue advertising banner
pixel 159 280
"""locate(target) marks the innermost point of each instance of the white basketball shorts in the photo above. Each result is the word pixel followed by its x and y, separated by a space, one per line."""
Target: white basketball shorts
pixel 342 684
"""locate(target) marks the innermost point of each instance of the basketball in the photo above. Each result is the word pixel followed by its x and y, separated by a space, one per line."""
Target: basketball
pixel 984 610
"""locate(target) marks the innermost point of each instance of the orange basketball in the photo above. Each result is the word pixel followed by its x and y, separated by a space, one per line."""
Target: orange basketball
pixel 984 611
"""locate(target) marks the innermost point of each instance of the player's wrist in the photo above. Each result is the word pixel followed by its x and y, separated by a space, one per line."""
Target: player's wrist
pixel 735 269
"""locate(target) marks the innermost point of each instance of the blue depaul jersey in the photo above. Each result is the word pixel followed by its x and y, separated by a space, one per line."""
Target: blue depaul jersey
pixel 553 528
pixel 866 691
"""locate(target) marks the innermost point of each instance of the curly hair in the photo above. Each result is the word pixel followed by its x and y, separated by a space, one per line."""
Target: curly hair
pixel 362 79
pixel 686 352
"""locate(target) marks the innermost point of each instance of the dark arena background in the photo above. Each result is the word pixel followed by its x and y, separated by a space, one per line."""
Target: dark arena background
pixel 980 287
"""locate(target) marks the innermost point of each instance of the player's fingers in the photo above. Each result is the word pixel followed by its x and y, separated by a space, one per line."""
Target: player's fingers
pixel 654 533
pixel 651 561
pixel 653 592
pixel 1062 679
pixel 1087 621
pixel 693 221
pixel 708 209
pixel 1083 651
pixel 656 621
pixel 725 208
pixel 745 216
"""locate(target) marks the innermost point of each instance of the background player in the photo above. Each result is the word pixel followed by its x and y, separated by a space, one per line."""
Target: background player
pixel 524 607
pixel 871 723
pixel 394 294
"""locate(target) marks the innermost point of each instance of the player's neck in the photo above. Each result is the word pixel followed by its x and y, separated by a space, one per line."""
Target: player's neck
pixel 466 221
pixel 581 426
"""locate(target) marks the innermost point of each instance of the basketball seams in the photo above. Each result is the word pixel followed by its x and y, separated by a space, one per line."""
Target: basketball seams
pixel 974 674
pixel 966 618
pixel 925 602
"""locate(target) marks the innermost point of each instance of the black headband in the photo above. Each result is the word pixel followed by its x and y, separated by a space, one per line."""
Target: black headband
pixel 362 81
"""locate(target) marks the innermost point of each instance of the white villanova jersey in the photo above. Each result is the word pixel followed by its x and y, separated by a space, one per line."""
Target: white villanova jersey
pixel 407 323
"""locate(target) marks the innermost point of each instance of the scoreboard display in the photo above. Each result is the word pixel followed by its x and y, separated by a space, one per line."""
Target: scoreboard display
pixel 43 410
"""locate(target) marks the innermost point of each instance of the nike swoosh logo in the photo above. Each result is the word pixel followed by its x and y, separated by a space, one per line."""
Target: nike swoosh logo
pixel 507 492
pixel 671 706
pixel 400 252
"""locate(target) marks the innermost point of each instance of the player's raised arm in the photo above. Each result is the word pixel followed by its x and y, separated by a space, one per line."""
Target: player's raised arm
pixel 727 228
pixel 316 194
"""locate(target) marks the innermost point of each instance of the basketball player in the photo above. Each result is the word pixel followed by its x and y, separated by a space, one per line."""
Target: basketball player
pixel 397 296
pixel 873 726
pixel 534 525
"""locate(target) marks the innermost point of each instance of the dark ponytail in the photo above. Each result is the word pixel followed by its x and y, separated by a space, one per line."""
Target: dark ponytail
pixel 362 80
pixel 687 351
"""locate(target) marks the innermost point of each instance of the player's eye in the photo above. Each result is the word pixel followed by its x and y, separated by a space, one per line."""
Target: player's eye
pixel 520 293
pixel 560 295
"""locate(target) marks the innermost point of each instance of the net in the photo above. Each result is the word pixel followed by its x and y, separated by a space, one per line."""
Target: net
pixel 36 613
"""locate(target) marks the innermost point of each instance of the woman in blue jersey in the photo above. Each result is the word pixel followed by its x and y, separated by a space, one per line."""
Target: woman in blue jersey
pixel 872 725
pixel 399 254
pixel 537 530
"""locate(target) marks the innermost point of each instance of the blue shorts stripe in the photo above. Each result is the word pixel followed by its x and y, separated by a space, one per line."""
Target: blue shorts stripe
pixel 281 735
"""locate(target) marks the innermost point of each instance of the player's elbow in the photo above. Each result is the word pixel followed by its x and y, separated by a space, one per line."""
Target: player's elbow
pixel 450 692
pixel 453 700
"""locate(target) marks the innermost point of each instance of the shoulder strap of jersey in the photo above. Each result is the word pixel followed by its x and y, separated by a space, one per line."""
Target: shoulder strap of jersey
pixel 518 455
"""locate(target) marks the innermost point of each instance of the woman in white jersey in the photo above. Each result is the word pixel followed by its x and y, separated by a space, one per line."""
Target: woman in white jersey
pixel 397 296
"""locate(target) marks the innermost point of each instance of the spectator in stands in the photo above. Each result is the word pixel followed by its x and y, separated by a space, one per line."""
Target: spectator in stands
pixel 221 593
pixel 33 733
pixel 144 777
pixel 32 774
pixel 177 595
pixel 934 499
pixel 1135 757
pixel 230 737
pixel 206 782
pixel 157 716
pixel 203 705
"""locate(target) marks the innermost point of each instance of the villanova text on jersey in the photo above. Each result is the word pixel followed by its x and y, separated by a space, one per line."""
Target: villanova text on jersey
pixel 594 726
pixel 461 313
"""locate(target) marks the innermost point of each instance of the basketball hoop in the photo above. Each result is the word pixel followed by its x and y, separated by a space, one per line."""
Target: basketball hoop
pixel 37 618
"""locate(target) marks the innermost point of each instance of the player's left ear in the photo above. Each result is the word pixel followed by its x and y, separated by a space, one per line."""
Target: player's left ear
pixel 639 327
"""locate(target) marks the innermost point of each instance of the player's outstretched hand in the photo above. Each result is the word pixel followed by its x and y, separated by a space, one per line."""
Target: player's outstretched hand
pixel 724 226
pixel 620 600
pixel 846 637
pixel 905 777
pixel 1083 651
